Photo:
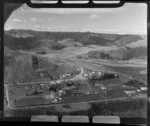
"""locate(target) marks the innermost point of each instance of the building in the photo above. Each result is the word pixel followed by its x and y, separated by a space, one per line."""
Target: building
pixel 85 75
pixel 60 92
pixel 143 88
pixel 100 73
pixel 42 85
pixel 130 92
pixel 26 87
pixel 103 88
pixel 59 99
pixel 87 93
pixel 69 88
pixel 96 92
pixel 55 101
pixel 58 81
pixel 130 77
pixel 51 95
pixel 53 83
pixel 138 90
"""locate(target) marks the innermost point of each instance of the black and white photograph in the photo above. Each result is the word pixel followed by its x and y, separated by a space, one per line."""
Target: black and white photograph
pixel 76 61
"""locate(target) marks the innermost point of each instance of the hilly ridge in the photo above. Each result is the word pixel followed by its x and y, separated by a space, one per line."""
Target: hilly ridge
pixel 28 40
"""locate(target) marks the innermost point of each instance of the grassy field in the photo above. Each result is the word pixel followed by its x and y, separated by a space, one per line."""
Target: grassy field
pixel 134 106
pixel 125 72
pixel 32 101
pixel 72 108
pixel 132 71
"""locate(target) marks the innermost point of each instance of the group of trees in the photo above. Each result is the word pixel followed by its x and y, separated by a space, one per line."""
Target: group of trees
pixel 99 54
pixel 35 62
pixel 120 106
pixel 19 43
pixel 135 83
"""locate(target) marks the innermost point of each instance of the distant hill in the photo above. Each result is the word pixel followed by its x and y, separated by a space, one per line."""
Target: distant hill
pixel 28 40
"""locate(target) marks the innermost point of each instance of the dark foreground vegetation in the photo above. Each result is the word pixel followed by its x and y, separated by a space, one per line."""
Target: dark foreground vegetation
pixel 110 108
pixel 135 107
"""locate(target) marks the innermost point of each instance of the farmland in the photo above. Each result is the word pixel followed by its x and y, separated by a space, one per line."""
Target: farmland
pixel 52 79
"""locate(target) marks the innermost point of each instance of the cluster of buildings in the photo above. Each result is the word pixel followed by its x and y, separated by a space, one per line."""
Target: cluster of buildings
pixel 44 90
pixel 129 90
pixel 66 76
pixel 135 87
pixel 54 97
pixel 51 91
pixel 54 90
pixel 61 90
pixel 100 75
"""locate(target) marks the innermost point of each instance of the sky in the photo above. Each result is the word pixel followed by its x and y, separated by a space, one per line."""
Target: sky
pixel 128 19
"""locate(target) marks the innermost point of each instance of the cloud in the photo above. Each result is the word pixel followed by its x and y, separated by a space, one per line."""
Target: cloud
pixel 50 19
pixel 126 7
pixel 33 19
pixel 49 28
pixel 37 27
pixel 7 28
pixel 18 20
pixel 86 30
pixel 73 11
pixel 94 16
pixel 25 8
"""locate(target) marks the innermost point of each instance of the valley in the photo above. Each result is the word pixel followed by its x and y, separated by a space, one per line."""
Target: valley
pixel 45 70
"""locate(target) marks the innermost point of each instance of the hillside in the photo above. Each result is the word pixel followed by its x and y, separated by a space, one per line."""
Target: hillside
pixel 19 68
pixel 123 53
pixel 20 44
pixel 140 43
pixel 28 40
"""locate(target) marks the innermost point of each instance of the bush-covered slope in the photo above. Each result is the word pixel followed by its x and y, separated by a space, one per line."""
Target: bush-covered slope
pixel 124 53
pixel 20 68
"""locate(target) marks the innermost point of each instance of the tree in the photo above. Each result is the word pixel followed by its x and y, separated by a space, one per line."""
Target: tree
pixel 35 62
pixel 105 56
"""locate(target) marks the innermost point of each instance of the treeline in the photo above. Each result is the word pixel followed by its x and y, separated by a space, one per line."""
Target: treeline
pixel 20 43
pixel 135 83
